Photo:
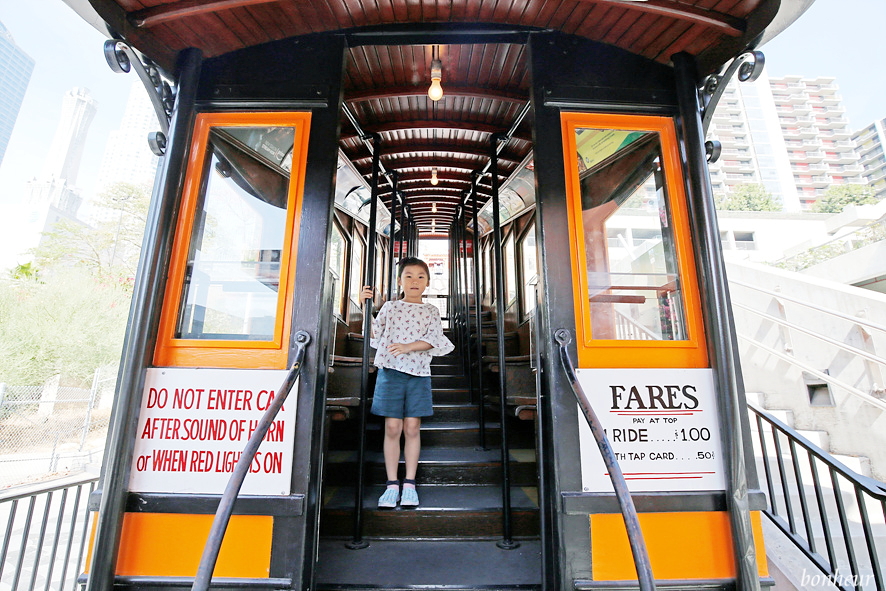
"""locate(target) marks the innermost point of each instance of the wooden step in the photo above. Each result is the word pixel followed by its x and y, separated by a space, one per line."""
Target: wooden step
pixel 444 564
pixel 445 512
pixel 445 466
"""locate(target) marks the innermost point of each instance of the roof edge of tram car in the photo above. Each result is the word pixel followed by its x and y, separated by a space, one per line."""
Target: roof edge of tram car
pixel 387 96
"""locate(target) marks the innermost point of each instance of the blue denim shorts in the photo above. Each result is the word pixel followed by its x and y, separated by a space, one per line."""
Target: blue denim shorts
pixel 399 395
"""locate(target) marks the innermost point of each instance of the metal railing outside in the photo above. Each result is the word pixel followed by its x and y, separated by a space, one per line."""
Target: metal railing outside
pixel 864 236
pixel 52 429
pixel 836 517
pixel 45 534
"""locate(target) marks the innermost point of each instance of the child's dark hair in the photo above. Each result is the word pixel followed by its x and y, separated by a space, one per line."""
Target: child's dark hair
pixel 412 262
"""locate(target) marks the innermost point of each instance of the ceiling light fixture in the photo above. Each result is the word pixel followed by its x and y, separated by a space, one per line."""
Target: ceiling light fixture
pixel 434 207
pixel 435 92
pixel 434 179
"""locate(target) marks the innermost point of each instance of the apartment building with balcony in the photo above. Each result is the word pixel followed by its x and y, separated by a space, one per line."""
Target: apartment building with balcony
pixel 816 134
pixel 789 134
pixel 871 141
pixel 754 150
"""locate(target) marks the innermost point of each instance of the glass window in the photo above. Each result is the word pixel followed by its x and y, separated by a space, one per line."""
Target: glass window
pixel 633 287
pixel 356 278
pixel 510 270
pixel 232 283
pixel 528 256
pixel 337 250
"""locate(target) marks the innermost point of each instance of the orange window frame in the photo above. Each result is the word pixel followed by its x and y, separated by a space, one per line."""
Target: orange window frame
pixel 272 354
pixel 612 353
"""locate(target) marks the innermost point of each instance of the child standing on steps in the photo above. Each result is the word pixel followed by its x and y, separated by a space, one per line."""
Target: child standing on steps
pixel 406 333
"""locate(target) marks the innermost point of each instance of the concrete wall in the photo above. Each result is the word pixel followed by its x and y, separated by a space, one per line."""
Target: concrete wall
pixel 856 427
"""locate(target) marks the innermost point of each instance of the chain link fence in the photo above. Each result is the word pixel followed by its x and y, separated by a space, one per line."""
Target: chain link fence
pixel 50 430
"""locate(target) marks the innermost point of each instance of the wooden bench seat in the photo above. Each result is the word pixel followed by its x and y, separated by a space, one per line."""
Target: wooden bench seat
pixel 343 385
pixel 522 399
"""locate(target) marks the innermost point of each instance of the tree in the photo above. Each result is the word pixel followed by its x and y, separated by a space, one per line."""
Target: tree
pixel 67 324
pixel 748 197
pixel 110 249
pixel 839 196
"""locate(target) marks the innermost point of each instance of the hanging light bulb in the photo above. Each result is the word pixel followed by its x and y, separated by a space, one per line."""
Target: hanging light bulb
pixel 434 207
pixel 433 225
pixel 434 179
pixel 435 92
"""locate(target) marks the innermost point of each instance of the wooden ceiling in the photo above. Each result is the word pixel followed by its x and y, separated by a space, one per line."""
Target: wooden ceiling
pixel 486 86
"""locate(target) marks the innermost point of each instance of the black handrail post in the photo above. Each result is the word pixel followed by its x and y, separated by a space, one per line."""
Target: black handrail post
pixel 393 237
pixel 506 542
pixel 619 484
pixel 143 316
pixel 357 542
pixel 468 358
pixel 478 316
pixel 719 326
pixel 241 469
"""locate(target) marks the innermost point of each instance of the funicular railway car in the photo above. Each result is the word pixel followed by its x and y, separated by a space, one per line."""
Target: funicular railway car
pixel 565 167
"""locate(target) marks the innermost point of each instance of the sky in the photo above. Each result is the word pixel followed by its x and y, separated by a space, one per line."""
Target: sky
pixel 839 38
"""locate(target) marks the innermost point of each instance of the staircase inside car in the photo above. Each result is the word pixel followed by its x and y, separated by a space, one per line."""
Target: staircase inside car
pixel 449 540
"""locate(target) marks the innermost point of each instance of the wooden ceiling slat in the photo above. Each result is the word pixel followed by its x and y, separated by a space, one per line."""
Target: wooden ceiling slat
pixel 578 15
pixel 277 21
pixel 650 35
pixel 248 35
pixel 620 27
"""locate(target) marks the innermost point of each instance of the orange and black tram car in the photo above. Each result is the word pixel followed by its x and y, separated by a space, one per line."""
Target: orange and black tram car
pixel 547 159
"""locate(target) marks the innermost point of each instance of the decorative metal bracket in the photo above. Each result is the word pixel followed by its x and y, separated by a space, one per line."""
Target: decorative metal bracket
pixel 749 66
pixel 122 58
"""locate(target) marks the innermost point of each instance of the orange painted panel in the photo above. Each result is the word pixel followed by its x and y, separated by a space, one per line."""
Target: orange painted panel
pixel 170 545
pixel 690 545
pixel 759 543
pixel 691 352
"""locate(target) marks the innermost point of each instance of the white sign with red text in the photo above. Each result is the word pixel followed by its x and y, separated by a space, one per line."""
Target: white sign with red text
pixel 662 425
pixel 194 424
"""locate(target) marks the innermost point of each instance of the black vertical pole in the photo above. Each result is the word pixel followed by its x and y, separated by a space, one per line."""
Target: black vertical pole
pixel 369 273
pixel 478 315
pixel 718 321
pixel 506 542
pixel 466 299
pixel 143 318
pixel 393 240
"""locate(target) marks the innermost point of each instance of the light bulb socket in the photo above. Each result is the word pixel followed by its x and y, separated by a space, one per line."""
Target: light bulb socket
pixel 436 70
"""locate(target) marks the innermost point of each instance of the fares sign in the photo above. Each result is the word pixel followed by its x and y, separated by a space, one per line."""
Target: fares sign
pixel 194 424
pixel 662 425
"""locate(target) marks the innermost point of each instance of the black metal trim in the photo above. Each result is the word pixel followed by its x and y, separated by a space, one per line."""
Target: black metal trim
pixel 222 105
pixel 583 503
pixel 438 34
pixel 141 331
pixel 694 584
pixel 608 99
pixel 276 506
pixel 719 326
pixel 136 583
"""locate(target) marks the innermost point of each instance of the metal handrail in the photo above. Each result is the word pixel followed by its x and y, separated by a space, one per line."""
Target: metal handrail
pixel 819 374
pixel 232 490
pixel 816 307
pixel 848 348
pixel 622 494
pixel 790 498
pixel 68 533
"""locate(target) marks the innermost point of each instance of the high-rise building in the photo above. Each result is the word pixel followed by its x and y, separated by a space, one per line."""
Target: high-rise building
pixel 817 135
pixel 871 141
pixel 789 134
pixel 16 67
pixel 754 152
pixel 57 184
pixel 127 157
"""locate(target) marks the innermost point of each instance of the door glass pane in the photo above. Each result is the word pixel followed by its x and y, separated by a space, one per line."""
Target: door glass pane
pixel 337 251
pixel 634 287
pixel 528 255
pixel 510 270
pixel 231 287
